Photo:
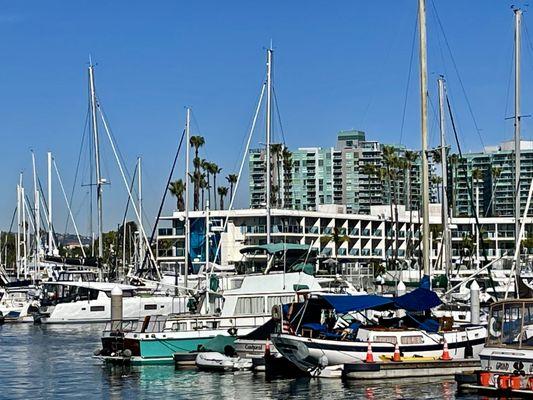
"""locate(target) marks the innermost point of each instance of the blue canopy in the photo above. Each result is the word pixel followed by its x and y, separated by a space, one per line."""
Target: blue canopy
pixel 344 304
pixel 418 300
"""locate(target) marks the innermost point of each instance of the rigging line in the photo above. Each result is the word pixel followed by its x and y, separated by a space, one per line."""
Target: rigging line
pixel 46 211
pixel 239 175
pixel 71 198
pixel 406 95
pixel 470 197
pixel 244 137
pixel 165 190
pixel 68 207
pixel 279 115
pixel 508 94
pixel 469 105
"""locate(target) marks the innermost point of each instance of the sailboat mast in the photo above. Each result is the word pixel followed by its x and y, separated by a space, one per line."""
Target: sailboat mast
pixel 518 23
pixel 268 137
pixel 50 232
pixel 19 227
pixel 187 163
pixel 424 126
pixel 99 188
pixel 37 216
pixel 446 242
pixel 140 201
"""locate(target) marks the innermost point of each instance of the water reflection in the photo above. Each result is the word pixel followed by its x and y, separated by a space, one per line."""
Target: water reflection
pixel 56 362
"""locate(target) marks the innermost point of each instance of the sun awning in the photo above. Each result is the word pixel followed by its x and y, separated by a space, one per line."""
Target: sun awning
pixel 347 303
pixel 418 300
pixel 273 248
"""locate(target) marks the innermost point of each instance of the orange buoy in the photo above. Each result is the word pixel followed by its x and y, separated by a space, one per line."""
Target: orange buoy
pixel 369 355
pixel 515 382
pixel 503 381
pixel 396 357
pixel 484 378
pixel 445 353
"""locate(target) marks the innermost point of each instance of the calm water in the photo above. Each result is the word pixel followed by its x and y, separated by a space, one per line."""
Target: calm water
pixel 56 362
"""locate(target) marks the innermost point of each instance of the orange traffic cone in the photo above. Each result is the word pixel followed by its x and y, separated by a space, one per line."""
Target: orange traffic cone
pixel 267 349
pixel 397 357
pixel 369 355
pixel 445 353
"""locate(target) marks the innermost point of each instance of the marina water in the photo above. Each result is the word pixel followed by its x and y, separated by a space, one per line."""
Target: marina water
pixel 54 361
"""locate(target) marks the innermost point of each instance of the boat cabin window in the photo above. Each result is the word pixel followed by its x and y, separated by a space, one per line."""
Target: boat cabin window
pixel 250 305
pixel 65 293
pixel 278 300
pixel 70 276
pixel 511 324
pixel 418 339
pixel 150 306
pixel 97 308
pixel 179 326
pixel 385 339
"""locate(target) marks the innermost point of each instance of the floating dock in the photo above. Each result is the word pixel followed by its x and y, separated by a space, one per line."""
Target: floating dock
pixel 408 369
pixel 493 391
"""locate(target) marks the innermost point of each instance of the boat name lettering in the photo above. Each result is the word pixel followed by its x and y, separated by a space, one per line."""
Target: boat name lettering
pixel 502 366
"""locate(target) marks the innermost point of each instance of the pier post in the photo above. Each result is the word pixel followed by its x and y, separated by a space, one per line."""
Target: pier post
pixel 474 303
pixel 400 291
pixel 116 308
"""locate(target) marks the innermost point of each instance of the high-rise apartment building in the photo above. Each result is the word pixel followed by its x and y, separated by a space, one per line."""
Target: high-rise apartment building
pixel 356 173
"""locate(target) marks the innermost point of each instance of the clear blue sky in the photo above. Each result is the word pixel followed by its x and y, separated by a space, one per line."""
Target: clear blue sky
pixel 338 65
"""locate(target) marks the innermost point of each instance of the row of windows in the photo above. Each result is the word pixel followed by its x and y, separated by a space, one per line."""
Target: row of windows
pixel 256 304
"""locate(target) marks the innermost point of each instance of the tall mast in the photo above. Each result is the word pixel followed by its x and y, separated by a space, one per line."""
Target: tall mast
pixel 50 232
pixel 99 188
pixel 19 227
pixel 518 22
pixel 446 242
pixel 187 162
pixel 268 136
pixel 424 123
pixel 37 216
pixel 140 201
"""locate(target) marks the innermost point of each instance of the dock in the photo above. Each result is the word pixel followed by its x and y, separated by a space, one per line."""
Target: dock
pixel 408 369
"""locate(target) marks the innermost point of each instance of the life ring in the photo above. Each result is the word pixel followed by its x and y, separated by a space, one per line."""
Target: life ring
pixel 492 329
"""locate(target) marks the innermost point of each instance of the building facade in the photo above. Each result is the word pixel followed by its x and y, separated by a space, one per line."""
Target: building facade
pixel 485 181
pixel 356 173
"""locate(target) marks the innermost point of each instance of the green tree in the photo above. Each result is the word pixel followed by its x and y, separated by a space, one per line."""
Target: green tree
pixel 232 180
pixel 337 238
pixel 177 188
pixel 222 192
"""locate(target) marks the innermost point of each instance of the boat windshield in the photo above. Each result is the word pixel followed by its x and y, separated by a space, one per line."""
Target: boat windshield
pixel 65 294
pixel 511 324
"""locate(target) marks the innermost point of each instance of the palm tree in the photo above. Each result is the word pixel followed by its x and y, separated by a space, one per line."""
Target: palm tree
pixel 205 166
pixel 337 238
pixel 203 185
pixel 196 142
pixel 214 170
pixel 177 188
pixel 232 180
pixel 222 192
pixel 390 175
pixel 196 178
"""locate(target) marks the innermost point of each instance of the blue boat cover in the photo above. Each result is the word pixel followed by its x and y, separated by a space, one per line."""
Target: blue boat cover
pixel 425 282
pixel 419 299
pixel 344 304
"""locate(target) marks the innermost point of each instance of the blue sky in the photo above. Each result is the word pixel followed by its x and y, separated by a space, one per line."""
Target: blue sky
pixel 338 65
